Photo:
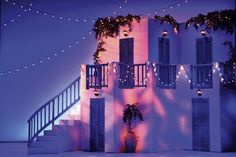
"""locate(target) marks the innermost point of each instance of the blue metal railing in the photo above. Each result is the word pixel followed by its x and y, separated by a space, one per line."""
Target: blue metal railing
pixel 52 110
pixel 96 76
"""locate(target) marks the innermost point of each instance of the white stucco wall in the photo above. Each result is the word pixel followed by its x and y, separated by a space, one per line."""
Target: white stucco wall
pixel 167 112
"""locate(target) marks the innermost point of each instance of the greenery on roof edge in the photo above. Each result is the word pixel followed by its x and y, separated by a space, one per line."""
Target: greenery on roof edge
pixel 110 26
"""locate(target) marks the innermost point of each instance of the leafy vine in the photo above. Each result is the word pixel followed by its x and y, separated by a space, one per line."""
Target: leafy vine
pixel 223 20
pixel 167 19
pixel 110 27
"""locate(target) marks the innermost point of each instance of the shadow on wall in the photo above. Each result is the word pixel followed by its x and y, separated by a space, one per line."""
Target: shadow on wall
pixel 165 125
pixel 228 119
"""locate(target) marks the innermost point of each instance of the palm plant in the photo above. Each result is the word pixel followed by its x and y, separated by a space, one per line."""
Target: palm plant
pixel 131 113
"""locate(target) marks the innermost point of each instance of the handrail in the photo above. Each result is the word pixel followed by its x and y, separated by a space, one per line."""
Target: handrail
pixel 201 76
pixel 53 109
pixel 96 76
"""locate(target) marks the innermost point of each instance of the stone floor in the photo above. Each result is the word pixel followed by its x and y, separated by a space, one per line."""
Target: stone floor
pixel 20 150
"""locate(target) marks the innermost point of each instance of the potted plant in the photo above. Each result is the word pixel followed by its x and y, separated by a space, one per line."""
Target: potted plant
pixel 130 114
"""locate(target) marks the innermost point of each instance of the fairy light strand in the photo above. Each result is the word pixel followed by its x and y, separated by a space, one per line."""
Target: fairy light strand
pixel 29 8
pixel 46 59
pixel 182 72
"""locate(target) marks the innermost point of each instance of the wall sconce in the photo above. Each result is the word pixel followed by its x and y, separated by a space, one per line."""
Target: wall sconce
pixel 203 32
pixel 125 33
pixel 96 93
pixel 164 33
pixel 199 92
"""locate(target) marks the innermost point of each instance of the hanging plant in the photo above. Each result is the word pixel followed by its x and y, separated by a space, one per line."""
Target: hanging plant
pixel 110 26
pixel 167 19
pixel 229 66
pixel 223 20
pixel 231 52
pixel 96 55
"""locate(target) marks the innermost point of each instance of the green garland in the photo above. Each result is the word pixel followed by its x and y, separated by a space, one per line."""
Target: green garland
pixel 167 19
pixel 110 26
pixel 223 20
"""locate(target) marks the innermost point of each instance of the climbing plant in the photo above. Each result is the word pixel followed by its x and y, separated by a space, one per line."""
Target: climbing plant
pixel 223 20
pixel 167 19
pixel 110 27
pixel 96 55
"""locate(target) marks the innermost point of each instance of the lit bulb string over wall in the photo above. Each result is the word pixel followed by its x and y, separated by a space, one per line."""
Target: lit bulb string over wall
pixel 29 9
pixel 181 72
pixel 54 55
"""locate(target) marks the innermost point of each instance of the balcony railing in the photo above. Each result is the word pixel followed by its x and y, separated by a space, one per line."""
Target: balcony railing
pixel 166 76
pixel 130 76
pixel 201 76
pixel 140 75
pixel 228 72
pixel 96 76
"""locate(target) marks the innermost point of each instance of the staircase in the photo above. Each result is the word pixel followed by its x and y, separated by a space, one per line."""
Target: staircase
pixel 61 137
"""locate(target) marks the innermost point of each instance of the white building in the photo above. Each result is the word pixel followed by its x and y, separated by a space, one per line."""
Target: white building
pixel 175 116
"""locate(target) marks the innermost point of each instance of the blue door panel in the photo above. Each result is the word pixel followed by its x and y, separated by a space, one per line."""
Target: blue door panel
pixel 97 127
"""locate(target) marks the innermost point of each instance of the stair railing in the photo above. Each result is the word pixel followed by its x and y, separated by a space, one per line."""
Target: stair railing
pixel 52 110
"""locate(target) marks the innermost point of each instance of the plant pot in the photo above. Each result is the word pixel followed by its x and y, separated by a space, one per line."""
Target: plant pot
pixel 131 141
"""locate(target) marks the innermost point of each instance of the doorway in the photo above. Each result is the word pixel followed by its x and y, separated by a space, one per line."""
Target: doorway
pixel 200 124
pixel 126 62
pixel 97 127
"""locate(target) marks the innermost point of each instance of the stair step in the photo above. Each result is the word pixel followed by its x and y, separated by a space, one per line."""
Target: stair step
pixel 52 133
pixel 68 122
pixel 48 138
pixel 73 116
pixel 43 150
pixel 37 144
pixel 59 127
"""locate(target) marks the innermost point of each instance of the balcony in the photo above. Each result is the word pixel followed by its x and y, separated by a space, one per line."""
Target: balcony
pixel 132 76
pixel 201 76
pixel 166 76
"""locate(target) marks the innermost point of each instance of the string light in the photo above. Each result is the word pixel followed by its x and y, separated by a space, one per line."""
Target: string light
pixel 206 80
pixel 47 59
pixel 167 7
pixel 28 8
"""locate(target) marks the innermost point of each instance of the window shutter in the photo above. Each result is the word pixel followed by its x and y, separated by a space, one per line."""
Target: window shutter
pixel 160 54
pixel 204 50
pixel 208 54
pixel 164 52
pixel 200 50
pixel 126 60
pixel 131 51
